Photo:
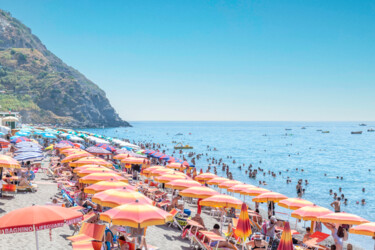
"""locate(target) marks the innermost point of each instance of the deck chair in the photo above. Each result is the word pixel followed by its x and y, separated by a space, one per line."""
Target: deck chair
pixel 89 232
pixel 9 189
pixel 86 217
pixel 177 221
pixel 79 245
pixel 32 188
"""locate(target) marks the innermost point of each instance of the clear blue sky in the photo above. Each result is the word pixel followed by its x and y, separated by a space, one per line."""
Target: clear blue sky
pixel 217 60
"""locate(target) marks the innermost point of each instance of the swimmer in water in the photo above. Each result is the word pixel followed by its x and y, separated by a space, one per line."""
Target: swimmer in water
pixel 363 190
pixel 363 201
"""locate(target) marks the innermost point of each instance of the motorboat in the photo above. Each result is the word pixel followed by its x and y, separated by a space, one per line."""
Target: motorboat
pixel 325 132
pixel 181 146
pixel 356 132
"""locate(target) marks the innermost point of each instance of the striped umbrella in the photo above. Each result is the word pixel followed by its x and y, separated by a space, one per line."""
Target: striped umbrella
pixel 294 203
pixel 217 181
pixel 29 156
pixel 238 188
pixel 198 192
pixel 27 144
pixel 23 150
pixel 161 171
pixel 205 177
pixel 270 196
pixel 146 171
pixel 95 170
pixel 182 184
pixel 4 142
pixel 286 242
pixel 243 229
pixel 175 165
pixel 254 191
pixel 106 185
pixel 134 160
pixel 90 160
pixel 74 157
pixel 170 177
pixel 364 229
pixel 228 184
pixel 98 151
pixel 137 215
pixel 61 146
pixel 8 162
pixel 106 147
pixel 310 212
pixel 222 200
pixel 19 139
pixel 94 178
pixel 117 197
pixel 70 151
pixel 342 218
pixel 121 156
pixel 78 169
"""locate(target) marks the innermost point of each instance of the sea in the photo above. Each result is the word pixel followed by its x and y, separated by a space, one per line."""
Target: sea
pixel 285 148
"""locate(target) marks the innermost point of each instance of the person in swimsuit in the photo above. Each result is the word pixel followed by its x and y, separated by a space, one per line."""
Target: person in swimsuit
pixel 257 242
pixel 336 205
pixel 219 244
pixel 299 189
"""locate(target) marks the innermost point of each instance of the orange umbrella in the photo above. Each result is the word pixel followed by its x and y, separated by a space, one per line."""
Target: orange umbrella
pixel 78 169
pixel 8 162
pixel 175 165
pixel 121 156
pixel 117 197
pixel 182 184
pixel 243 229
pixel 198 192
pixel 238 188
pixel 254 191
pixel 90 160
pixel 217 181
pixel 222 200
pixel 342 218
pixel 70 151
pixel 228 184
pixel 270 196
pixel 36 218
pixel 170 177
pixel 74 157
pixel 205 177
pixel 160 171
pixel 364 229
pixel 96 170
pixel 137 215
pixel 310 212
pixel 146 171
pixel 286 242
pixel 134 160
pixel 106 185
pixel 94 178
pixel 294 203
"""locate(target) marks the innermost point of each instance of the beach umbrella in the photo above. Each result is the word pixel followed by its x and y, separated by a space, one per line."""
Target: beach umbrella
pixel 8 162
pixel 117 197
pixel 78 169
pixel 10 119
pixel 364 229
pixel 286 242
pixel 70 151
pixel 4 142
pixel 270 196
pixel 23 150
pixel 170 177
pixel 175 165
pixel 182 184
pixel 95 170
pixel 36 218
pixel 146 171
pixel 19 139
pixel 198 192
pixel 49 136
pixel 79 145
pixel 294 203
pixel 205 177
pixel 107 185
pixel 98 151
pixel 67 142
pixel 228 184
pixel 217 181
pixel 74 157
pixel 137 215
pixel 90 160
pixel 23 133
pixel 29 156
pixel 342 218
pixel 310 212
pixel 27 144
pixel 222 200
pixel 254 191
pixel 161 171
pixel 121 156
pixel 135 160
pixel 106 147
pixel 123 151
pixel 243 228
pixel 238 188
pixel 61 146
pixel 94 178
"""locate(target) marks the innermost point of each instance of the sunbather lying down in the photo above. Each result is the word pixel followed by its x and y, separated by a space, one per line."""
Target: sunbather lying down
pixel 219 244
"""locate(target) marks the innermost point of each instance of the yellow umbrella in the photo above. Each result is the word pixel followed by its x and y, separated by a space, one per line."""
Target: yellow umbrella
pixel 106 185
pixel 310 212
pixel 198 192
pixel 238 188
pixel 182 184
pixel 217 181
pixel 90 160
pixel 74 157
pixel 78 169
pixel 8 162
pixel 170 177
pixel 254 191
pixel 96 170
pixel 294 203
pixel 94 178
pixel 270 196
pixel 221 200
pixel 342 218
pixel 117 197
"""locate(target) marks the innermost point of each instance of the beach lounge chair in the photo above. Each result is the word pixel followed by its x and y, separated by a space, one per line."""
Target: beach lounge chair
pixel 32 188
pixel 89 232
pixel 176 219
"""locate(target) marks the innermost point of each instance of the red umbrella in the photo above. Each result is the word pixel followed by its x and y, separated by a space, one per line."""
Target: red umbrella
pixel 243 229
pixel 286 242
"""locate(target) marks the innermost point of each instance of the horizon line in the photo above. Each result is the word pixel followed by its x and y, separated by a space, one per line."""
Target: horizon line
pixel 242 121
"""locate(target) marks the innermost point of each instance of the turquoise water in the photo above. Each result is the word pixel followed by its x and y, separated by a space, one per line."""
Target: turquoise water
pixel 338 153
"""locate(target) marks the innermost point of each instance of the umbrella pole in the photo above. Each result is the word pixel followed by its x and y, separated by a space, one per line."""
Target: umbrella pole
pixel 36 239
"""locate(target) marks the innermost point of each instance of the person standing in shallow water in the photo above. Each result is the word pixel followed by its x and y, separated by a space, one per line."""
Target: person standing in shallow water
pixel 299 189
pixel 336 205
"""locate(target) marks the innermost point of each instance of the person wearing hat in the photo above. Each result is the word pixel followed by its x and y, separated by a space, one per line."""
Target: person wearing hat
pixel 257 242
pixel 271 225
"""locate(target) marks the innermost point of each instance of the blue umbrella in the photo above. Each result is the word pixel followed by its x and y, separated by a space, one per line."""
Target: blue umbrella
pixel 29 156
pixel 48 136
pixel 23 133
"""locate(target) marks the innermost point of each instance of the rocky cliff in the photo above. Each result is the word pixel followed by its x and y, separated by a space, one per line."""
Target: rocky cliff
pixel 42 87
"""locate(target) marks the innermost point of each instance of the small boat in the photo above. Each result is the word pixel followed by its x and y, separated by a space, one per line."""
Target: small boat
pixel 325 132
pixel 303 128
pixel 370 130
pixel 181 146
pixel 179 134
pixel 356 132
pixel 287 129
pixel 362 125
